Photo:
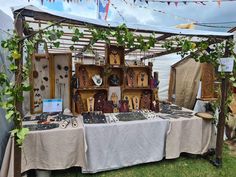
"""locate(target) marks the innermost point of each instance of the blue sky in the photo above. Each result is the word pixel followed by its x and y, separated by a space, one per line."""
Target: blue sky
pixel 210 12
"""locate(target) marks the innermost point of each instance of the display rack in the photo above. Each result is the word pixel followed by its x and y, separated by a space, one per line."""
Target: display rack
pixel 116 82
pixel 50 78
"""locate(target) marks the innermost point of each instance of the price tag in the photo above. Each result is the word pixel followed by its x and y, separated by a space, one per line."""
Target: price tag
pixel 226 65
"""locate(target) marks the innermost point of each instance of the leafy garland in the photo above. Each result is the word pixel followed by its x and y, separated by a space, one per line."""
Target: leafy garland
pixel 11 92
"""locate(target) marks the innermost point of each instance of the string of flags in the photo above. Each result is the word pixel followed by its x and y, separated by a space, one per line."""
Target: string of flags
pixel 168 2
pixel 176 2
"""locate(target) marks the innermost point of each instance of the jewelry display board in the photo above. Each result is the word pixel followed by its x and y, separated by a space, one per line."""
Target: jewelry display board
pixel 62 69
pixel 40 81
pixel 115 55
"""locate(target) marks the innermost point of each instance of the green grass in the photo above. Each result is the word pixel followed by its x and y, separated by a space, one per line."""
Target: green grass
pixel 181 167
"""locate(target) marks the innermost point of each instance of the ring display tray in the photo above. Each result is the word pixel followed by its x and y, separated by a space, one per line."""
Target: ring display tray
pixel 37 127
pixel 130 116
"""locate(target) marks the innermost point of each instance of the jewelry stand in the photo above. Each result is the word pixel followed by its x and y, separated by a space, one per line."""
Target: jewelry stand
pixel 90 104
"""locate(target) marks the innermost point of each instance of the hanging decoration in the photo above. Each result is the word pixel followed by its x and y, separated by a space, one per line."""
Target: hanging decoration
pixel 103 7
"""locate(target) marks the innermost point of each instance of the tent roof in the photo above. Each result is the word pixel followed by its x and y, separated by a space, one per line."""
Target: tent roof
pixel 38 18
pixel 138 27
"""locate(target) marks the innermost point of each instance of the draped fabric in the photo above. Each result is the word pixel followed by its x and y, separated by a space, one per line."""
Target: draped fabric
pixel 184 82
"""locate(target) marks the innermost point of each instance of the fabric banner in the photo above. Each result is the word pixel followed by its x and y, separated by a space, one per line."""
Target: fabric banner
pixel 103 7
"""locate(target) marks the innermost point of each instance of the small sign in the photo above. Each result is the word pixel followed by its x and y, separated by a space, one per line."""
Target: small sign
pixel 52 105
pixel 226 65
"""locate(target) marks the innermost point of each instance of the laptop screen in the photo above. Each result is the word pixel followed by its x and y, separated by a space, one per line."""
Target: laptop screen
pixel 52 105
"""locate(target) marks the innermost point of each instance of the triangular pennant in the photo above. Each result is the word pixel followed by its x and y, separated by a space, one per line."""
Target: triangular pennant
pixel 168 3
pixel 185 2
pixel 203 3
pixel 219 2
pixel 176 3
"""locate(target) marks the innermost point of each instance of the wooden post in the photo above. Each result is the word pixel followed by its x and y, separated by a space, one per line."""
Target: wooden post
pixel 18 81
pixel 221 124
pixel 223 112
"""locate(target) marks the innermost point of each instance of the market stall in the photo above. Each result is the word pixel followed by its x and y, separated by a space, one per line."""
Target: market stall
pixel 112 92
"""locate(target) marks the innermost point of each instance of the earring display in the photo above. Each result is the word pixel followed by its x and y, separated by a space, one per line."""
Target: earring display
pixel 62 78
pixel 123 106
pixel 40 83
pixel 114 58
pixel 90 104
pixel 131 78
pixel 130 104
pixel 99 100
pixel 136 102
pixel 78 102
pixel 142 79
pixel 115 55
pixel 83 77
pixel 145 101
pixel 114 99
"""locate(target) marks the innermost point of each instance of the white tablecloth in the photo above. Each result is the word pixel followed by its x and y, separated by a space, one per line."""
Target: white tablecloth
pixel 112 146
pixel 49 150
pixel 194 135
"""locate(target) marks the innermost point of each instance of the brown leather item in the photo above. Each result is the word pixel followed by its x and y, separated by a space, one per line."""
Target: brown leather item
pixel 78 102
pixel 83 77
pixel 142 79
pixel 124 106
pixel 108 107
pixel 131 78
pixel 99 100
pixel 145 101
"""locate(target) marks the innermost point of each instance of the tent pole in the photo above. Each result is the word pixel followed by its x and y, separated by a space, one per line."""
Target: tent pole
pixel 223 112
pixel 18 81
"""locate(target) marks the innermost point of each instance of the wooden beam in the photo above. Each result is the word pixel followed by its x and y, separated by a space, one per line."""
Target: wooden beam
pixel 160 38
pixel 161 53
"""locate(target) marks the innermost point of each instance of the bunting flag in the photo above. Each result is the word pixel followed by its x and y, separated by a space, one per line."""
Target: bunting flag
pixel 103 8
pixel 219 2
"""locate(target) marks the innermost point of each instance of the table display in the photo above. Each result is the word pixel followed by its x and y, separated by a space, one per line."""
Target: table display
pixel 52 149
pixel 100 146
pixel 122 144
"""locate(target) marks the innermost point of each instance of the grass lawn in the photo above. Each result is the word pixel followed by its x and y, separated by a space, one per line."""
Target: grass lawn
pixel 181 167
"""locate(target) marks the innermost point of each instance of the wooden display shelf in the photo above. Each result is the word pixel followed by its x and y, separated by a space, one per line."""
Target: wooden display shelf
pixel 207 99
pixel 116 66
pixel 138 66
pixel 41 55
pixel 81 64
pixel 137 88
pixel 92 88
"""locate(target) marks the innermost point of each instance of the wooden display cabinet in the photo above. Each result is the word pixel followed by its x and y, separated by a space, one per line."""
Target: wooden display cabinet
pixel 118 70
